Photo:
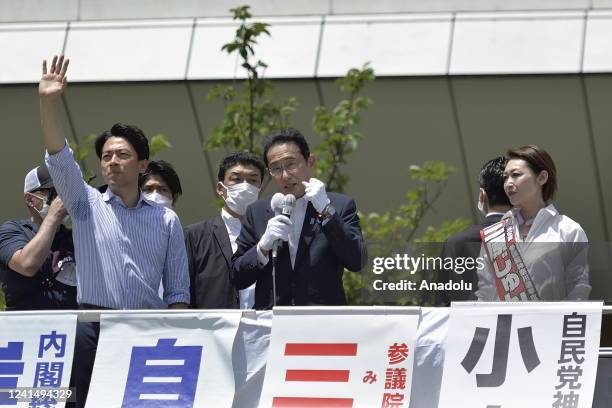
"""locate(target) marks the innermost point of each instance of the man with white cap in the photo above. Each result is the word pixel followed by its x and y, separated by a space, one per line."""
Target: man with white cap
pixel 37 268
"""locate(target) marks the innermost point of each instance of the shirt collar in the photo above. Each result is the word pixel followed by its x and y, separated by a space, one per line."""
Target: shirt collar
pixel 108 196
pixel 229 219
pixel 548 211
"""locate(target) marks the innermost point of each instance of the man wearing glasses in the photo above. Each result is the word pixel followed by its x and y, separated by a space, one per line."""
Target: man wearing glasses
pixel 37 269
pixel 320 239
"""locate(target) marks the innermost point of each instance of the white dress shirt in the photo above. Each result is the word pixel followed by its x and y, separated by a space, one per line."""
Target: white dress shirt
pixel 555 252
pixel 233 227
pixel 297 217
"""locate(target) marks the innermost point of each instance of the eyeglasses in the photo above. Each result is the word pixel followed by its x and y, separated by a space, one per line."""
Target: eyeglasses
pixel 276 170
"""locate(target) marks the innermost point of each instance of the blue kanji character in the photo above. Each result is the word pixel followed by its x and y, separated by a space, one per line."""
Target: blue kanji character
pixel 165 375
pixel 10 369
pixel 57 341
pixel 49 374
pixel 42 404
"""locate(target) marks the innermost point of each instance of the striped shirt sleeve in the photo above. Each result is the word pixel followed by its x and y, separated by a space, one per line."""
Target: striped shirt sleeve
pixel 68 182
pixel 176 272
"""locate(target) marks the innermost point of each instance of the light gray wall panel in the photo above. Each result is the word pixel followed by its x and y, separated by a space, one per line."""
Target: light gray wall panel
pixel 38 10
pixel 129 51
pixel 119 9
pixel 395 6
pixel 24 46
pixel 598 43
pixel 280 51
pixel 394 45
pixel 517 43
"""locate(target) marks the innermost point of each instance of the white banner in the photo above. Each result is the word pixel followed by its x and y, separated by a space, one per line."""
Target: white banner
pixel 340 357
pixel 517 355
pixel 149 360
pixel 35 352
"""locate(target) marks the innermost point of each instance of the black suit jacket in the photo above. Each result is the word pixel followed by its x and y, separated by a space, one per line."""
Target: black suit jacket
pixel 323 253
pixel 209 253
pixel 465 244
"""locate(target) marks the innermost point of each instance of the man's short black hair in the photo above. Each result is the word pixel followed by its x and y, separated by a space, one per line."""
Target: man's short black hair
pixel 491 179
pixel 244 158
pixel 134 136
pixel 288 135
pixel 164 170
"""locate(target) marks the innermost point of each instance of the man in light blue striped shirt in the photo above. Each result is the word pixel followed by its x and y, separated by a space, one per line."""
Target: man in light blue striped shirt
pixel 125 244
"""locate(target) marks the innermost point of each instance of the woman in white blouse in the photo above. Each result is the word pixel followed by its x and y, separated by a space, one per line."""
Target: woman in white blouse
pixel 534 253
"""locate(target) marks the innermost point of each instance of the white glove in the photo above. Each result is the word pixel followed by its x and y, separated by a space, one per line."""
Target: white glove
pixel 279 227
pixel 315 193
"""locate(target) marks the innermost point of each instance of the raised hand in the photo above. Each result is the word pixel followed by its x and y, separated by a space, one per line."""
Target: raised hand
pixel 57 211
pixel 53 83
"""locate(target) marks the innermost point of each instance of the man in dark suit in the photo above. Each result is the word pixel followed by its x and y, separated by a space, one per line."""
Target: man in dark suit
pixel 211 243
pixel 492 203
pixel 320 239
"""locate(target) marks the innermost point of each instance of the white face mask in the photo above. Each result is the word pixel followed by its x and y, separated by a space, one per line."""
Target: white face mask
pixel 45 208
pixel 240 196
pixel 159 199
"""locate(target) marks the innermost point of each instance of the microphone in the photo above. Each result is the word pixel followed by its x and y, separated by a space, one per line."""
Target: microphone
pixel 281 204
pixel 288 205
pixel 277 203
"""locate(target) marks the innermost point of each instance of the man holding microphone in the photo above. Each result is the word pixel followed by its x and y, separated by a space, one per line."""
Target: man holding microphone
pixel 316 243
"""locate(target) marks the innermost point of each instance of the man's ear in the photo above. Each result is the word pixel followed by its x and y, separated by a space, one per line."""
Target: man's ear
pixel 542 177
pixel 220 190
pixel 311 161
pixel 142 166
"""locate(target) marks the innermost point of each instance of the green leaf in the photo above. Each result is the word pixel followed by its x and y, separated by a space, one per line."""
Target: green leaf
pixel 157 144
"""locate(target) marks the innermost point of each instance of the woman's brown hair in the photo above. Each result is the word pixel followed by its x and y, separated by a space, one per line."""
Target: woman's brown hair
pixel 538 159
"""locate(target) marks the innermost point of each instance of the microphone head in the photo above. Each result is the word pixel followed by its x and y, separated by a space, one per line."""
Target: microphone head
pixel 288 205
pixel 277 203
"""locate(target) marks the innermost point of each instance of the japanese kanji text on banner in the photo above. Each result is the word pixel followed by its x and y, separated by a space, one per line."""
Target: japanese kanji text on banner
pixel 340 357
pixel 149 360
pixel 517 355
pixel 36 352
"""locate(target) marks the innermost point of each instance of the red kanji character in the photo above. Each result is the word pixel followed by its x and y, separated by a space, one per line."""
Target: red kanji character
pixel 370 377
pixel 397 353
pixel 395 378
pixel 392 400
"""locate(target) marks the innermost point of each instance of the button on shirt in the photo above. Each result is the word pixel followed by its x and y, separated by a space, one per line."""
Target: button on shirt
pixel 123 254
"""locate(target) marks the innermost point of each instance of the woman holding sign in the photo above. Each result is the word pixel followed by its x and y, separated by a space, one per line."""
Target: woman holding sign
pixel 534 253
